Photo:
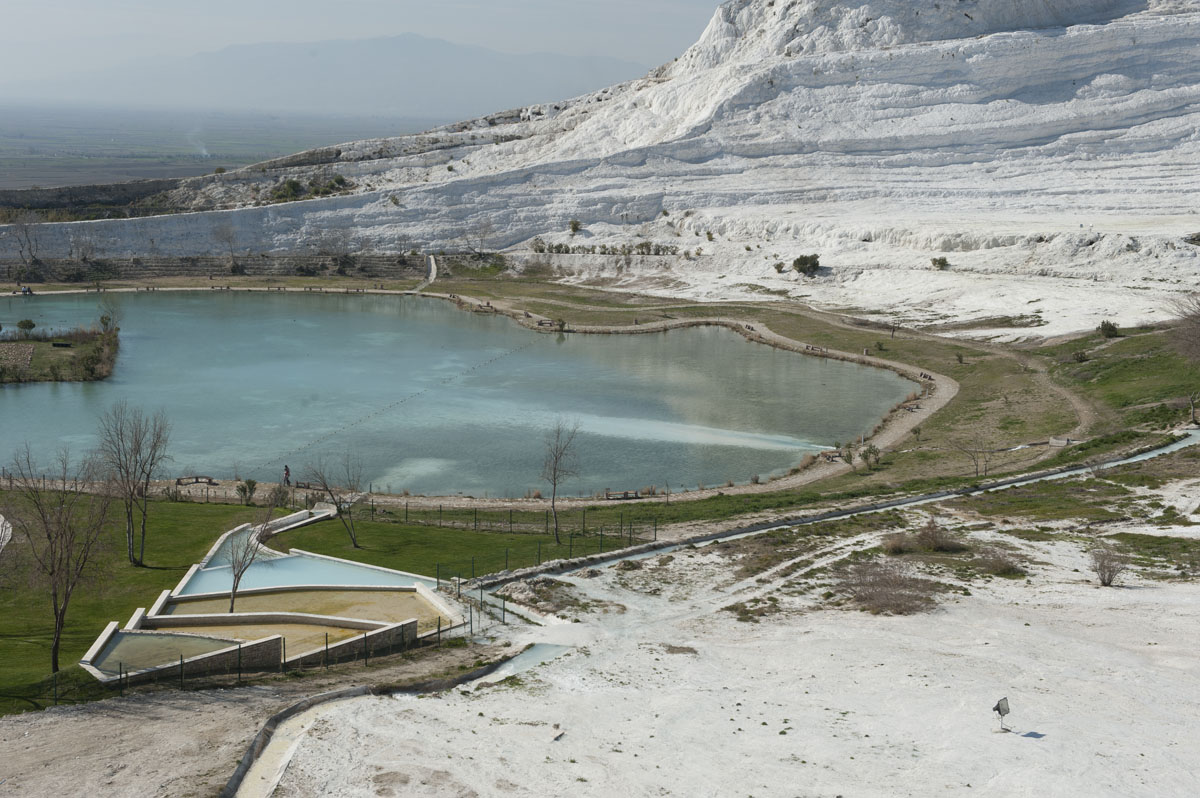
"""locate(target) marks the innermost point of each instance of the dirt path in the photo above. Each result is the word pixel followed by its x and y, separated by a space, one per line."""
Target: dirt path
pixel 172 743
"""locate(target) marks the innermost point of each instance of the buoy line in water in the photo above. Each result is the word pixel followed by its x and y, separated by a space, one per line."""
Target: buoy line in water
pixel 263 468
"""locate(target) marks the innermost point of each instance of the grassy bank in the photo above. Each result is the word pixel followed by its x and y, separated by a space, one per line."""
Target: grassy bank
pixel 78 355
pixel 179 535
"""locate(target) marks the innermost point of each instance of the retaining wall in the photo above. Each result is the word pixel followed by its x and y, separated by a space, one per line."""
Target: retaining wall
pixel 258 655
pixel 75 196
pixel 393 266
pixel 381 640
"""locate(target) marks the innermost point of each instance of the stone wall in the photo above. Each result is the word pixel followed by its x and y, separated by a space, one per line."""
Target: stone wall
pixel 394 266
pixel 82 196
pixel 377 643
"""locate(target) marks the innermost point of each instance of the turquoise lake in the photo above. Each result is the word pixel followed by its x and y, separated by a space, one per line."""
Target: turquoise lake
pixel 435 400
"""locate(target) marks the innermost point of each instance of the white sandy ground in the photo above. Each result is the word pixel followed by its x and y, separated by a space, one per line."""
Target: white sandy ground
pixel 1104 685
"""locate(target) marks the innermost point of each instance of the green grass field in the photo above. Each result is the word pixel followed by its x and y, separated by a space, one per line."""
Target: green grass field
pixel 179 535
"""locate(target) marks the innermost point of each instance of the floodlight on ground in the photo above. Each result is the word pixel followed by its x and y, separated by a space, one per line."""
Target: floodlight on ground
pixel 1001 709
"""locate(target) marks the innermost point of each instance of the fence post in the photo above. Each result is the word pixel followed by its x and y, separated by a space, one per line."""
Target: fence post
pixel 180 671
pixel 506 558
pixel 239 663
pixel 366 656
pixel 539 552
pixel 476 519
pixel 327 651
pixel 439 515
pixel 510 520
pixel 439 630
pixel 471 618
pixel 283 660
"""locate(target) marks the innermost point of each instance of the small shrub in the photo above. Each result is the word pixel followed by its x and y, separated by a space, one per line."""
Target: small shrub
pixel 575 226
pixel 26 327
pixel 934 537
pixel 807 264
pixel 1080 356
pixel 1107 565
pixel 941 264
pixel 709 234
pixel 998 562
pixel 887 588
pixel 220 170
pixel 245 491
pixel 237 268
pixel 779 267
pixel 896 544
pixel 279 496
pixel 1109 329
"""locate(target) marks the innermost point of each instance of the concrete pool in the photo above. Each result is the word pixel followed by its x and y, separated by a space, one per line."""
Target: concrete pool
pixel 291 610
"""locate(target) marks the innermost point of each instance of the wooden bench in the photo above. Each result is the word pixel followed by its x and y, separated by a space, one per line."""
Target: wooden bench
pixel 60 344
pixel 195 480
pixel 303 485
pixel 618 495
pixel 545 323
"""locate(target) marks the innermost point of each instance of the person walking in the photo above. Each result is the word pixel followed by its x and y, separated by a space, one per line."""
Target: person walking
pixel 287 475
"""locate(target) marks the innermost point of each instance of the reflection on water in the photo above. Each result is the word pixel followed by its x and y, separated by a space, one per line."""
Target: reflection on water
pixel 434 400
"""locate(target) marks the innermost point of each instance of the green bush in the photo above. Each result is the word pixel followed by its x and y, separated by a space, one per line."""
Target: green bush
pixel 1109 329
pixel 807 264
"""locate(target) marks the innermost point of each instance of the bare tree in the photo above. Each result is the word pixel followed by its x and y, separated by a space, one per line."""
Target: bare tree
pixel 1186 337
pixel 245 548
pixel 226 235
pixel 26 228
pixel 341 484
pixel 476 237
pixel 1107 564
pixel 978 450
pixel 133 450
pixel 83 245
pixel 560 463
pixel 111 313
pixel 57 530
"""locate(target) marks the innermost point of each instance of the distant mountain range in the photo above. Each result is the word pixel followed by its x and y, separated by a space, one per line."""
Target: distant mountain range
pixel 406 75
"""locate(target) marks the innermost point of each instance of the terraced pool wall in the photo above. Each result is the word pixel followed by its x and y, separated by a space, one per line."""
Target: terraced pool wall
pixel 257 656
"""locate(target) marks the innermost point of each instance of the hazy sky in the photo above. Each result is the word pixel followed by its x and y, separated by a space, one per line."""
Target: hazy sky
pixel 53 37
